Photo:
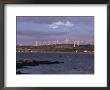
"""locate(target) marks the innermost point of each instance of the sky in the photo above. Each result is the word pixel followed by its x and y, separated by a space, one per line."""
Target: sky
pixel 49 28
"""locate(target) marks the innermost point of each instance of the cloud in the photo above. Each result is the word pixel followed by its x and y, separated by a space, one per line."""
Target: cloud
pixel 53 26
pixel 60 24
pixel 69 24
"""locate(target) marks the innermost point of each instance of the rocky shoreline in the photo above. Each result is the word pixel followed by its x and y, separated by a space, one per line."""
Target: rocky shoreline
pixel 23 63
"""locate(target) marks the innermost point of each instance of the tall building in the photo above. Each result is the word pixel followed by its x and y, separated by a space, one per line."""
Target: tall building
pixel 36 43
pixel 78 43
pixel 49 43
pixel 57 42
pixel 66 41
pixel 74 43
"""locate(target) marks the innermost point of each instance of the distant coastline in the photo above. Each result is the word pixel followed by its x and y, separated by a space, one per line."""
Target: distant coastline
pixel 61 49
pixel 60 52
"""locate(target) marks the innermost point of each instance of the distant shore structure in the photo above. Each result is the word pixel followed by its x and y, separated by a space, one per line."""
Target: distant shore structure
pixel 36 43
pixel 55 42
pixel 74 43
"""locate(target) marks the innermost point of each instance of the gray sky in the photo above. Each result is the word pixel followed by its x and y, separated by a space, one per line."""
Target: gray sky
pixel 49 28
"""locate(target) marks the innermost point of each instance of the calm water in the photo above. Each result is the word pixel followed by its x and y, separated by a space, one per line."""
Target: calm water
pixel 73 64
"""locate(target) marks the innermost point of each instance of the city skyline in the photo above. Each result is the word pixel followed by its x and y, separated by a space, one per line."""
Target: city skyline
pixel 54 28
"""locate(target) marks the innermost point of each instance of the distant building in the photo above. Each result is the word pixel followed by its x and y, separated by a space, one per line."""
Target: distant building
pixel 74 44
pixel 36 43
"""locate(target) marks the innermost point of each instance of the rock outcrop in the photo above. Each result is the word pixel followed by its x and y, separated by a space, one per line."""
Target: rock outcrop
pixel 22 63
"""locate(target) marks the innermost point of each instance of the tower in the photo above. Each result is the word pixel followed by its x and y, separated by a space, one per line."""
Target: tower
pixel 57 42
pixel 36 43
pixel 78 43
pixel 49 43
pixel 74 43
pixel 66 41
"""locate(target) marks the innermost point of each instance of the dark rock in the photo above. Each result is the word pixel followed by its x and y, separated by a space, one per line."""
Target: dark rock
pixel 47 62
pixel 60 55
pixel 21 64
pixel 75 68
pixel 19 72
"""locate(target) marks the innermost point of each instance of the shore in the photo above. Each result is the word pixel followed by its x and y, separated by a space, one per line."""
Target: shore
pixel 59 52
